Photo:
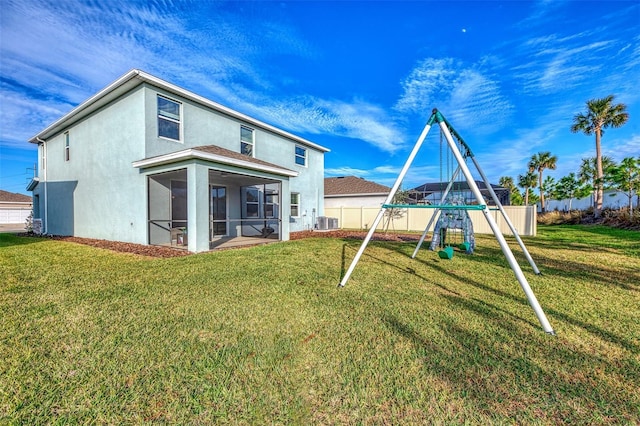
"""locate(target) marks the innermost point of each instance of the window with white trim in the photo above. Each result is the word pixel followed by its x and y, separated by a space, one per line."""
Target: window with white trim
pixel 271 199
pixel 246 141
pixel 301 156
pixel 295 204
pixel 253 202
pixel 66 146
pixel 169 118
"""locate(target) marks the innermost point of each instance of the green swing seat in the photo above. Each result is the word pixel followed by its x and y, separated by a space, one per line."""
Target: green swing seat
pixel 446 253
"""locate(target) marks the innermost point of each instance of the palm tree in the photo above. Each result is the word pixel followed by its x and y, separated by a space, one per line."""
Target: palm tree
pixel 548 187
pixel 515 198
pixel 587 173
pixel 626 178
pixel 527 181
pixel 539 162
pixel 600 114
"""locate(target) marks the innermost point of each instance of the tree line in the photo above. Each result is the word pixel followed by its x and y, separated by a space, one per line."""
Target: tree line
pixel 595 174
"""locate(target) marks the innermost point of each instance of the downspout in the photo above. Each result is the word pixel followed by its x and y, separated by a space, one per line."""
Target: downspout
pixel 45 226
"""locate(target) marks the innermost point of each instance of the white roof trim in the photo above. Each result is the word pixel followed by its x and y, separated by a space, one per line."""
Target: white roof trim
pixel 136 77
pixel 189 154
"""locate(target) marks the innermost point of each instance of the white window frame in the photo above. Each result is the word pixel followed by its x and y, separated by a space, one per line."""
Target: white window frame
pixel 303 157
pixel 271 199
pixel 243 142
pixel 67 150
pixel 297 195
pixel 165 117
pixel 255 203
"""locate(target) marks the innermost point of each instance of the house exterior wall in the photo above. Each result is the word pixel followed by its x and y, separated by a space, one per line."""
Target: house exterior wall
pixel 97 193
pixel 205 126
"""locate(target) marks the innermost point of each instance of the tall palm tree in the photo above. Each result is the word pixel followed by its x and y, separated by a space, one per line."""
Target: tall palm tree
pixel 539 162
pixel 588 173
pixel 527 181
pixel 600 114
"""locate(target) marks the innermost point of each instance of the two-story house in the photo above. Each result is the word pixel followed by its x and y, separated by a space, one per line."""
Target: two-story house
pixel 147 162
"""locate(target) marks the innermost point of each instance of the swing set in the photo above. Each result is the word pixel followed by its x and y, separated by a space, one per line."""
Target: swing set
pixel 452 211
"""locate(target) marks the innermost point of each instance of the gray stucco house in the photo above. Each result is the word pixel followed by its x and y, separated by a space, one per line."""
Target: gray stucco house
pixel 147 162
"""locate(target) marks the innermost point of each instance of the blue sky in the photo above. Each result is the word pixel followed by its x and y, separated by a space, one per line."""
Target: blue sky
pixel 360 78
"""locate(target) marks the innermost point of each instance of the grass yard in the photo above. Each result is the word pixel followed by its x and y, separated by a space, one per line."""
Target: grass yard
pixel 262 335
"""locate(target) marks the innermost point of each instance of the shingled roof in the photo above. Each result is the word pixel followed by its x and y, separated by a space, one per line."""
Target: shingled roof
pixel 12 197
pixel 216 154
pixel 352 185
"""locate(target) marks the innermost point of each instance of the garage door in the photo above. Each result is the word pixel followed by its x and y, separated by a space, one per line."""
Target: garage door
pixel 14 215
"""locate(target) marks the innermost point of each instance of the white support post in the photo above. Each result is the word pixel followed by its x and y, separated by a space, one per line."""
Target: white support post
pixel 389 199
pixel 506 218
pixel 531 297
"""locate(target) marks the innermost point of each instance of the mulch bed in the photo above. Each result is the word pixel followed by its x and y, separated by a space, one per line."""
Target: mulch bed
pixel 168 252
pixel 139 249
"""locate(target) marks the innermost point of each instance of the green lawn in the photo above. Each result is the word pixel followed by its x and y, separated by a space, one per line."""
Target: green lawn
pixel 262 335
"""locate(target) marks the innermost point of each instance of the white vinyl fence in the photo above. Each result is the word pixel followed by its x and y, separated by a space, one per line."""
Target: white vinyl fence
pixel 523 219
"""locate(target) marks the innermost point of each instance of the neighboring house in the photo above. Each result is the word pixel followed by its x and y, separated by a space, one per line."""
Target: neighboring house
pixel 352 191
pixel 14 208
pixel 147 162
pixel 611 199
pixel 431 193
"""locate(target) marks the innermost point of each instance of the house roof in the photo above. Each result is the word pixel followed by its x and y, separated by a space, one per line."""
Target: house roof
pixel 135 78
pixel 457 186
pixel 12 197
pixel 215 154
pixel 352 185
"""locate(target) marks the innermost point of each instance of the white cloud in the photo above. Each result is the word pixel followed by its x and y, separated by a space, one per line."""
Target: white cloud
pixel 357 119
pixel 86 46
pixel 426 84
pixel 464 95
pixel 618 149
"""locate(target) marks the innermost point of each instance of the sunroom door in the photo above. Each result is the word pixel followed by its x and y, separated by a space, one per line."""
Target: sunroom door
pixel 218 211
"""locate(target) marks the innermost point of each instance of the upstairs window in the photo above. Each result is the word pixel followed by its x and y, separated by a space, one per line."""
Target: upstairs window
pixel 295 204
pixel 246 141
pixel 301 156
pixel 66 146
pixel 169 118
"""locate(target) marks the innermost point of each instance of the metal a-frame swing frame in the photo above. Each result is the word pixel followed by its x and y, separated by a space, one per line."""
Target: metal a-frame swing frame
pixel 447 129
